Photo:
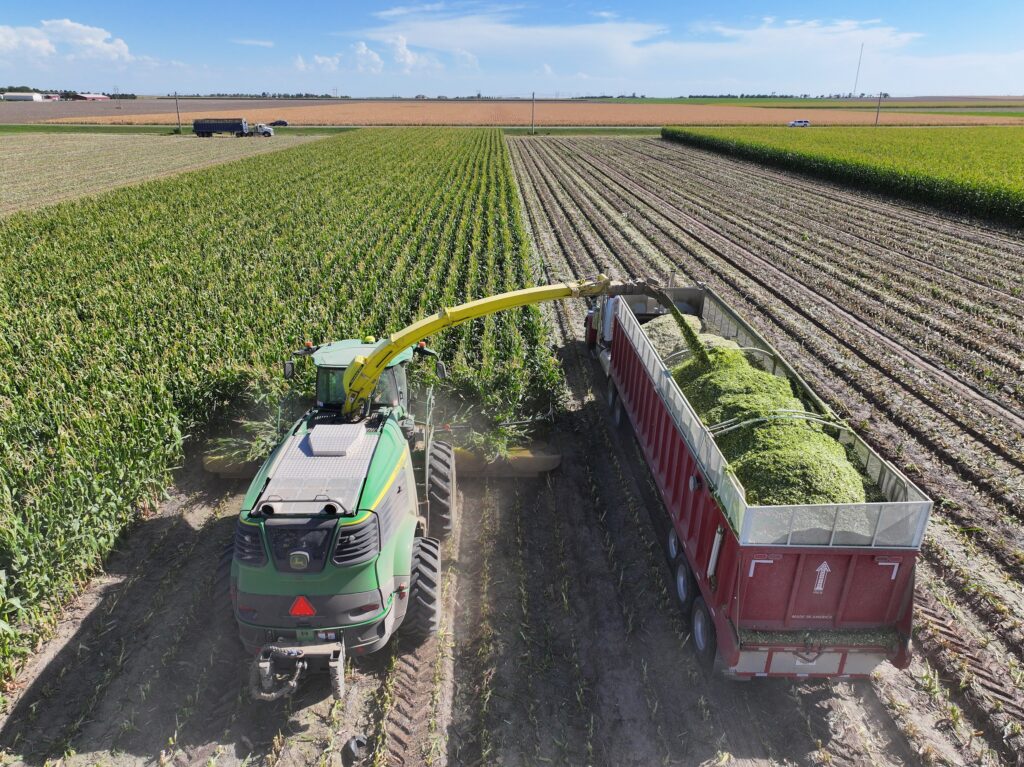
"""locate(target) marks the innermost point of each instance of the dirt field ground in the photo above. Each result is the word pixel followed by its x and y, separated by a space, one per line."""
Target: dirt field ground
pixel 561 641
pixel 430 112
pixel 91 163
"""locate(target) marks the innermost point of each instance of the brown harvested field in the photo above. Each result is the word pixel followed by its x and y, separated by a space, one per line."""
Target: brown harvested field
pixel 91 163
pixel 548 113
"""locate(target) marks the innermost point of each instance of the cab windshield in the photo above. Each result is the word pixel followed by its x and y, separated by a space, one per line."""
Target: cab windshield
pixel 391 388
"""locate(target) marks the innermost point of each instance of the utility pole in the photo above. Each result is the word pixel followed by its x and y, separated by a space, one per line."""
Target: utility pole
pixel 177 111
pixel 533 114
pixel 857 78
pixel 878 109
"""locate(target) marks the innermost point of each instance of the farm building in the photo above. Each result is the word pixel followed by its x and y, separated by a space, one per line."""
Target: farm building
pixel 93 97
pixel 23 97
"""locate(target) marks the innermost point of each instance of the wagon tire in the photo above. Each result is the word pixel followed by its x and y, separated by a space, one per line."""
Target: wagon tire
pixel 672 547
pixel 442 490
pixel 618 416
pixel 685 585
pixel 423 616
pixel 702 632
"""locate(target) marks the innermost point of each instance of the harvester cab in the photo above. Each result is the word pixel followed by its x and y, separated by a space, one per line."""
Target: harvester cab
pixel 338 544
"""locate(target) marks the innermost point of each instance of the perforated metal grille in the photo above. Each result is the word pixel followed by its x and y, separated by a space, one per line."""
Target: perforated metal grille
pixel 357 544
pixel 249 546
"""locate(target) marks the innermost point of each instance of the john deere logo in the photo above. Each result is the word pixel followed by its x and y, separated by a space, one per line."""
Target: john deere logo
pixel 299 560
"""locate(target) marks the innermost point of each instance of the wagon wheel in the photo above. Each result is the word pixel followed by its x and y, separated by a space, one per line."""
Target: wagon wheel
pixel 705 643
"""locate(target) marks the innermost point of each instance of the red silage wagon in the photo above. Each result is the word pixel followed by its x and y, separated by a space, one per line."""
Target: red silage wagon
pixel 793 591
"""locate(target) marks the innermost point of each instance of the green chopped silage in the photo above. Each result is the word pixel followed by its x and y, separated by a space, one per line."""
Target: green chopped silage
pixel 779 462
pixel 870 637
pixel 665 335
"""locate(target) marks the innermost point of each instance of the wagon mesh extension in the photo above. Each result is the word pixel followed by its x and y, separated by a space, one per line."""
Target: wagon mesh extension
pixel 897 522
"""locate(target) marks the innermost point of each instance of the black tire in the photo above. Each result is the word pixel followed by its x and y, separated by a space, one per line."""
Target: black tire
pixel 442 490
pixel 685 585
pixel 672 546
pixel 423 616
pixel 702 632
pixel 222 580
pixel 618 415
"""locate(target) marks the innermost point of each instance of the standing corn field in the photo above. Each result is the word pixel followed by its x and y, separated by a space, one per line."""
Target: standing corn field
pixel 133 317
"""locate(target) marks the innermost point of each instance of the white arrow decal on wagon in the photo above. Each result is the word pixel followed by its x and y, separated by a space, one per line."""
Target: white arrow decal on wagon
pixel 822 570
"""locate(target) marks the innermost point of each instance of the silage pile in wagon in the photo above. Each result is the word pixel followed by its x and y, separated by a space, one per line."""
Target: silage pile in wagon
pixel 779 462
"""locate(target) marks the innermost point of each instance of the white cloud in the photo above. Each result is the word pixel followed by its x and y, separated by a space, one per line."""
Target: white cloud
pixel 367 59
pixel 410 60
pixel 465 59
pixel 256 43
pixel 408 10
pixel 327 63
pixel 64 38
pixel 790 55
pixel 300 64
pixel 607 15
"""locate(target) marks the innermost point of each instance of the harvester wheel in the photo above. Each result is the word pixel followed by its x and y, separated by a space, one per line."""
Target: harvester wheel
pixel 702 629
pixel 442 492
pixel 686 587
pixel 423 616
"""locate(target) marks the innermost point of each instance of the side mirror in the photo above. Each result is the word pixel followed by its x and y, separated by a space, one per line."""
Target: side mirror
pixel 440 370
pixel 289 370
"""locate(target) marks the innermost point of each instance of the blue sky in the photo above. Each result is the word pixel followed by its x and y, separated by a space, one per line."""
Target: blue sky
pixel 459 47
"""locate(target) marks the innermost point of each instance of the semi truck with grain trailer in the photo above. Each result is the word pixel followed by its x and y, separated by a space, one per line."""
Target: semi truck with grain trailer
pixel 822 590
pixel 238 126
